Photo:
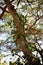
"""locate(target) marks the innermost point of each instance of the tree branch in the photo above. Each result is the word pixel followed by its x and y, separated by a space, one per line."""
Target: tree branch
pixel 4 10
pixel 26 52
pixel 36 21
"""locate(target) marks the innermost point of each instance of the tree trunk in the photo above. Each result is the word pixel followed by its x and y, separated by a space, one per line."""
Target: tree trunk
pixel 26 52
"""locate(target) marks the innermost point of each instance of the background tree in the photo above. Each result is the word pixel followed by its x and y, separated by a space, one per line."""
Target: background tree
pixel 24 23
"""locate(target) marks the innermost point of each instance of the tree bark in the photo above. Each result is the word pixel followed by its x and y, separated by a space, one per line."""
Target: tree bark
pixel 26 52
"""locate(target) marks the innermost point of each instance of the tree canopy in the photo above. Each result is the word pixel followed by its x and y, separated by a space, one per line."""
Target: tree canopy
pixel 22 21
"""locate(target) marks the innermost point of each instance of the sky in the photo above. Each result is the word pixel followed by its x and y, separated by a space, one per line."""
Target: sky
pixel 8 56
